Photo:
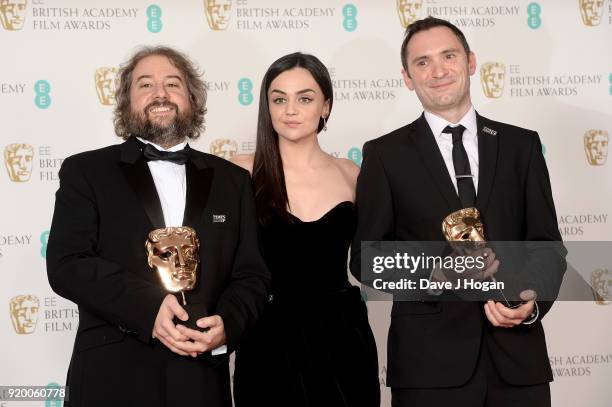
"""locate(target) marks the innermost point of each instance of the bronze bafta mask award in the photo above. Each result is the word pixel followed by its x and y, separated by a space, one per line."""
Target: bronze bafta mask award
pixel 463 225
pixel 173 254
pixel 466 229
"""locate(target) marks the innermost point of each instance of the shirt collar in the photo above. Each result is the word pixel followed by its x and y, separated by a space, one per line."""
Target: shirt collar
pixel 437 124
pixel 177 147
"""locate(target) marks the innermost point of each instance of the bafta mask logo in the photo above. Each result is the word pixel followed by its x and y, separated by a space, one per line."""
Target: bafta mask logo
pixel 12 14
pixel 409 11
pixel 18 159
pixel 601 281
pixel 224 148
pixel 591 11
pixel 218 13
pixel 24 313
pixel 596 146
pixel 492 76
pixel 173 253
pixel 106 84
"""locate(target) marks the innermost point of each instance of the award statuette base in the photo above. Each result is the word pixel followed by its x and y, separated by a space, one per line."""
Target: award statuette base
pixel 195 312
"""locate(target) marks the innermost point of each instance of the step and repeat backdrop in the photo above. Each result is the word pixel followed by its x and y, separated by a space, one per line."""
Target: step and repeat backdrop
pixel 544 65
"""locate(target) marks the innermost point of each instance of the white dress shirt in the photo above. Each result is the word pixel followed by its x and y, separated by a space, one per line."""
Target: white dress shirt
pixel 445 142
pixel 171 184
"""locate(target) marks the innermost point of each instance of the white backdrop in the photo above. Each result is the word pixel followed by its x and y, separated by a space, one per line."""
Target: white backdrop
pixel 551 70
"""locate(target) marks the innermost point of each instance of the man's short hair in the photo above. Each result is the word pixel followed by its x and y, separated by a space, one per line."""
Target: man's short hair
pixel 427 24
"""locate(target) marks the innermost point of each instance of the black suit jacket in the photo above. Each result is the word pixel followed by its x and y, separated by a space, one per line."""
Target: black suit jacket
pixel 105 207
pixel 403 193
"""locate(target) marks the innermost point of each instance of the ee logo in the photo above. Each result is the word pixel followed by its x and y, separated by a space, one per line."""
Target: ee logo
pixel 349 12
pixel 42 89
pixel 533 11
pixel 154 23
pixel 44 239
pixel 56 395
pixel 355 155
pixel 245 89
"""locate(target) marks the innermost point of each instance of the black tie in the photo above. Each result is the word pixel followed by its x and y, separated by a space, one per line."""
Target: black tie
pixel 463 174
pixel 177 157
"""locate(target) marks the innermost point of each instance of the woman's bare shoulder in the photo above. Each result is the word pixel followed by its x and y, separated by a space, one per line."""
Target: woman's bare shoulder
pixel 244 160
pixel 348 168
pixel 349 172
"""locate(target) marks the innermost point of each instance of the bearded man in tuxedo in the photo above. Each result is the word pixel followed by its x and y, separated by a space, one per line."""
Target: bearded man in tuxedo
pixel 131 348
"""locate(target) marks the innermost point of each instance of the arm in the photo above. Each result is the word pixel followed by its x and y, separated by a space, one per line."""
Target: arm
pixel 546 265
pixel 242 302
pixel 77 272
pixel 374 207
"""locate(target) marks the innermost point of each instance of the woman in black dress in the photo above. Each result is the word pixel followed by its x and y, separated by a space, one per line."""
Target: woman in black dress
pixel 313 346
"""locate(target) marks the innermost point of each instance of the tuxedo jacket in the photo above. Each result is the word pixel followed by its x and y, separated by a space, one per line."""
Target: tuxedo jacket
pixel 404 191
pixel 105 207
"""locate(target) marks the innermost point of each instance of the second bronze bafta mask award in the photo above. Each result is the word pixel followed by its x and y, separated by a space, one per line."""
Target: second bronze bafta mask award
pixel 465 227
pixel 173 253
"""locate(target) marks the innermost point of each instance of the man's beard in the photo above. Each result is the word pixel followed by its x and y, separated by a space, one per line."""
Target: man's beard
pixel 139 124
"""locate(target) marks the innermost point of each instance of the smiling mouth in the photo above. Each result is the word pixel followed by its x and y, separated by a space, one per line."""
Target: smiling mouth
pixel 441 85
pixel 161 110
pixel 291 124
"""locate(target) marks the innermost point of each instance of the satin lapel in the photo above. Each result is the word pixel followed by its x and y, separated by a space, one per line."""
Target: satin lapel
pixel 487 160
pixel 199 181
pixel 136 171
pixel 434 163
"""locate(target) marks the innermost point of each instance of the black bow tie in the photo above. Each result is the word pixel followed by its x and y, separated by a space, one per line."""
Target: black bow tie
pixel 177 157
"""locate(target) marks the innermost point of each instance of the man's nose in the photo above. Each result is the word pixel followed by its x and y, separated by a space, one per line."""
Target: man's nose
pixel 161 92
pixel 438 69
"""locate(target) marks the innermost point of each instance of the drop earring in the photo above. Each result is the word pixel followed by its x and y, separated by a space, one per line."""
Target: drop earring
pixel 324 123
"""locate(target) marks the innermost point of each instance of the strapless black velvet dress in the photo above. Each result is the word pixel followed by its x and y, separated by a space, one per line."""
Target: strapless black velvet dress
pixel 313 345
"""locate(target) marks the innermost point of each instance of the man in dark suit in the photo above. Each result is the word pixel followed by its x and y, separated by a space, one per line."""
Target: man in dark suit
pixel 128 350
pixel 459 353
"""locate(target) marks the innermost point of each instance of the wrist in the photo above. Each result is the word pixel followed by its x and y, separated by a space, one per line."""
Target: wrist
pixel 533 317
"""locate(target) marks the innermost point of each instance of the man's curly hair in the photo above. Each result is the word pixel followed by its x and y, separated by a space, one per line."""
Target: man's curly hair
pixel 195 86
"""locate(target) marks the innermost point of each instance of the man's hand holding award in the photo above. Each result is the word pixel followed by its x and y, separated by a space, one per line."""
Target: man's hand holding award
pixel 184 328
